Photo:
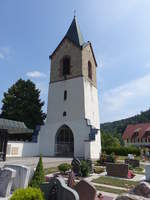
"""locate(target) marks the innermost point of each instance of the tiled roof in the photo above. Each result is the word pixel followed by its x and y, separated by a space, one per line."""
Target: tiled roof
pixel 14 126
pixel 140 128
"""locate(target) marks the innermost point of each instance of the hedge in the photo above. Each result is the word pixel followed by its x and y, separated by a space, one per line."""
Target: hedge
pixel 122 151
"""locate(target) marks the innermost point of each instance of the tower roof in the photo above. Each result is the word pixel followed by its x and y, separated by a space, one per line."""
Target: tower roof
pixel 74 34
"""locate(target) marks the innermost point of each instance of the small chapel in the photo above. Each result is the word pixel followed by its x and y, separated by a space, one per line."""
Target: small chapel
pixel 72 127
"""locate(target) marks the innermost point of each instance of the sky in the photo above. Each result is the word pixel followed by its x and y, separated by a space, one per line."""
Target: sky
pixel 118 30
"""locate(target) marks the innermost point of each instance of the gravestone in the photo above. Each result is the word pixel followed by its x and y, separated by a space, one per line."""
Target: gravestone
pixel 76 165
pixel 147 172
pixel 130 197
pixel 85 190
pixel 117 170
pixel 57 189
pixel 133 162
pixel 22 176
pixel 6 179
pixel 142 189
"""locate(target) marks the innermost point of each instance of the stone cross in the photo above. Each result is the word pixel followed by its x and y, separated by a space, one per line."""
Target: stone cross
pixel 6 179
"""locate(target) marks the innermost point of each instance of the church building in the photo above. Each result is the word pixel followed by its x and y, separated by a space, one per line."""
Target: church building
pixel 72 127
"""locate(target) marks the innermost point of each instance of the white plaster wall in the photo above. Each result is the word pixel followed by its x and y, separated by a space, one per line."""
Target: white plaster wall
pixel 47 137
pixel 87 150
pixel 81 103
pixel 74 105
pixel 25 149
pixel 92 113
pixel 91 103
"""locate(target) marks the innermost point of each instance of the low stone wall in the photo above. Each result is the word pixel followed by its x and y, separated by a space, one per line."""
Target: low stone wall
pixel 22 149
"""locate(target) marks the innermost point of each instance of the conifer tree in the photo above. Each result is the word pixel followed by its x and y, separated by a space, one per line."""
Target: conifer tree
pixel 22 103
pixel 38 176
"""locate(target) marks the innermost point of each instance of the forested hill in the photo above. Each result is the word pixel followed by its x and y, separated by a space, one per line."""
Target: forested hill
pixel 118 127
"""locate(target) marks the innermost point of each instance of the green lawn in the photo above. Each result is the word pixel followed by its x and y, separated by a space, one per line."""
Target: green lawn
pixel 115 182
pixel 111 190
pixel 50 170
pixel 124 157
pixel 139 170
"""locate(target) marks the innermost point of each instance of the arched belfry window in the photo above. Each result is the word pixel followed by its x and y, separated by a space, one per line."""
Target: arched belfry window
pixel 65 95
pixel 66 66
pixel 89 70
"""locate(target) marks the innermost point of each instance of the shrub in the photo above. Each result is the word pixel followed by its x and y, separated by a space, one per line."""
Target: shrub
pixel 64 167
pixel 38 176
pixel 28 193
pixel 84 168
pixel 98 170
pixel 90 164
pixel 111 158
pixel 130 167
pixel 122 151
pixel 106 158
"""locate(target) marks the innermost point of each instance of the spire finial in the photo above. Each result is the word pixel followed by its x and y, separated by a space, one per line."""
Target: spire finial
pixel 74 12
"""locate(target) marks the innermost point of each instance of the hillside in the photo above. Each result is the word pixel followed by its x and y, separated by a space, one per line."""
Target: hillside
pixel 118 127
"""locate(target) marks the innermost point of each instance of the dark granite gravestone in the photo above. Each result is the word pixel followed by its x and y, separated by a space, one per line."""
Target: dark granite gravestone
pixel 76 165
pixel 85 190
pixel 117 170
pixel 133 162
pixel 57 189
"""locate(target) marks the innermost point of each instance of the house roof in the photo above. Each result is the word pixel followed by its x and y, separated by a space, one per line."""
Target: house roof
pixel 140 128
pixel 14 127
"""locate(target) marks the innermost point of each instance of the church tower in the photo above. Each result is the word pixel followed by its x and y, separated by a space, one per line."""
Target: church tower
pixel 72 126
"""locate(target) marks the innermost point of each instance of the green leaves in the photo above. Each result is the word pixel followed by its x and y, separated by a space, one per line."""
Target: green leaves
pixel 64 167
pixel 38 177
pixel 22 103
pixel 28 193
pixel 109 141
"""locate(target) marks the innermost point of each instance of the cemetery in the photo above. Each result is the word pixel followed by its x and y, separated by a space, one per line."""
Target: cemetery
pixel 61 154
pixel 75 180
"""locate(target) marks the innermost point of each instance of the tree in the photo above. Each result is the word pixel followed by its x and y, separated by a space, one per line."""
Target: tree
pixel 109 141
pixel 22 103
pixel 38 177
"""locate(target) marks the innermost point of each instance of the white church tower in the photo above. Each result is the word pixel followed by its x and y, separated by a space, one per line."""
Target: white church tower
pixel 72 126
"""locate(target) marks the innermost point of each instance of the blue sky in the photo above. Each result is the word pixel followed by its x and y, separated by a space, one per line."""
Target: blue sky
pixel 120 34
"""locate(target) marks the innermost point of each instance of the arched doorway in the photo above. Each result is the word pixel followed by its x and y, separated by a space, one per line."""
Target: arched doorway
pixel 64 142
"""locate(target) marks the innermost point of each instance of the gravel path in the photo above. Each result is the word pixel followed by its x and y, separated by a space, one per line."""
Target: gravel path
pixel 32 161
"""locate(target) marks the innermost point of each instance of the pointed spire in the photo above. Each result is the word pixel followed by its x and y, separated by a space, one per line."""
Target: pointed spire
pixel 74 34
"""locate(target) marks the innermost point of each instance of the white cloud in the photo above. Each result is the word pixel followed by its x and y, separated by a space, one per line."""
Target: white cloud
pixel 126 100
pixel 4 52
pixel 35 74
